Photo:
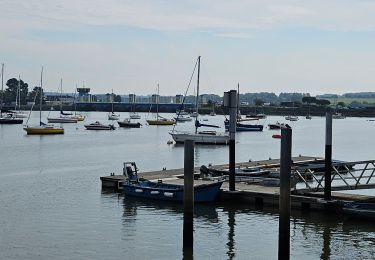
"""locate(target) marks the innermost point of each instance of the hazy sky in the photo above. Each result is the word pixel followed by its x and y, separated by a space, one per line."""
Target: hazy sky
pixel 316 46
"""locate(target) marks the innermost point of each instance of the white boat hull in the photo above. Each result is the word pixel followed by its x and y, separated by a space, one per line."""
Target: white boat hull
pixel 200 138
pixel 135 116
pixel 113 117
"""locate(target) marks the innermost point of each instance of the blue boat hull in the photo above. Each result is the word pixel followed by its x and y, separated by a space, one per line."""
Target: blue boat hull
pixel 171 192
pixel 246 127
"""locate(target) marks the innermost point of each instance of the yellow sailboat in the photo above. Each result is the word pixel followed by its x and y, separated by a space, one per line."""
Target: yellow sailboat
pixel 42 128
pixel 159 120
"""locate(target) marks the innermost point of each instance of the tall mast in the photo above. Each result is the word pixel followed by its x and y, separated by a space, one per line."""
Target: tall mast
pixel 2 89
pixel 41 97
pixel 238 101
pixel 197 97
pixel 61 95
pixel 112 100
pixel 157 104
pixel 75 101
pixel 18 91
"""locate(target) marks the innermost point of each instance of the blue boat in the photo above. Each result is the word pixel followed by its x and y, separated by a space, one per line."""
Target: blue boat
pixel 134 186
pixel 244 127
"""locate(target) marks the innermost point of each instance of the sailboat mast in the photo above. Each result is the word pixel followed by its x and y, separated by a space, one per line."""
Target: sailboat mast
pixel 112 101
pixel 18 91
pixel 61 91
pixel 197 97
pixel 238 102
pixel 157 104
pixel 2 89
pixel 41 97
pixel 75 101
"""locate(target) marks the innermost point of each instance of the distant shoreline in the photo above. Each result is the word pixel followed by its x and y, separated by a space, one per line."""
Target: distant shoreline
pixel 171 108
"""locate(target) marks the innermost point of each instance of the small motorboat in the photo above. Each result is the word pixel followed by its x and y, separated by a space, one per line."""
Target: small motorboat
pixel 128 124
pixel 134 186
pixel 9 119
pixel 99 126
pixel 183 118
pixel 291 118
pixel 276 126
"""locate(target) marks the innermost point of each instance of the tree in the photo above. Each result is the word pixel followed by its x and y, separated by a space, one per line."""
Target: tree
pixel 308 100
pixel 11 91
pixel 341 104
pixel 36 92
pixel 258 102
pixel 323 102
pixel 117 98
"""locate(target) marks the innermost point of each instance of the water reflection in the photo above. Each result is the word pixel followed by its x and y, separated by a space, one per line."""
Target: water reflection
pixel 322 235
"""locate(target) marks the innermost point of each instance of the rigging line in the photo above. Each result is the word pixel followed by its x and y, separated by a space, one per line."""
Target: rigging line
pixel 186 91
pixel 149 111
pixel 32 106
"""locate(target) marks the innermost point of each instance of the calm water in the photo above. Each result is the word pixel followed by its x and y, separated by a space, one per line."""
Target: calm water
pixel 52 205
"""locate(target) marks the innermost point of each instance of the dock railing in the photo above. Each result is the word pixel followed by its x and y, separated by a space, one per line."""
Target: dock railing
pixel 345 176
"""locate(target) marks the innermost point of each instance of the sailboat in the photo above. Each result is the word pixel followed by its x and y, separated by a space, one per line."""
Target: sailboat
pixel 200 137
pixel 42 129
pixel 64 117
pixel 17 108
pixel 112 115
pixel 6 118
pixel 292 117
pixel 133 114
pixel 159 120
pixel 77 116
pixel 240 127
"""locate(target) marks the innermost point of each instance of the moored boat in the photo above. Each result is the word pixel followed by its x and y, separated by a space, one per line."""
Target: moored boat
pixel 128 124
pixel 134 186
pixel 44 130
pixel 244 127
pixel 99 126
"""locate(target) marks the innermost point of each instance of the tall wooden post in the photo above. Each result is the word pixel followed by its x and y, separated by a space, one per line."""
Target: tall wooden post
pixel 284 199
pixel 328 158
pixel 188 239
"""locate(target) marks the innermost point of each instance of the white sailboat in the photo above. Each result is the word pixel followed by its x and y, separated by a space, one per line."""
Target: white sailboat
pixel 133 113
pixel 200 137
pixel 292 117
pixel 6 117
pixel 63 118
pixel 17 109
pixel 112 115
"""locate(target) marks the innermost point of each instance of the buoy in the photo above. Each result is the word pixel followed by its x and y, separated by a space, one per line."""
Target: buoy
pixel 276 136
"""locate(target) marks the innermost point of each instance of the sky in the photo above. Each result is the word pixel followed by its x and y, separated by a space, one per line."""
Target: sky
pixel 308 46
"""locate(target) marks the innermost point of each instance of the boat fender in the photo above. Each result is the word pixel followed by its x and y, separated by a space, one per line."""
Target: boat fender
pixel 154 192
pixel 138 190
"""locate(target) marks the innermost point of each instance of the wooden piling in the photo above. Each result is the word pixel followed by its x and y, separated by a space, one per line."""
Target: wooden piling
pixel 232 138
pixel 188 239
pixel 328 158
pixel 284 198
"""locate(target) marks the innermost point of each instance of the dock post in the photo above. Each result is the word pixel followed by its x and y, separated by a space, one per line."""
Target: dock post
pixel 328 158
pixel 284 199
pixel 188 241
pixel 230 101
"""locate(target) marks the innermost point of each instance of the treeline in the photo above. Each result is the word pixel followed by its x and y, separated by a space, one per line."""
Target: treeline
pixel 18 91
